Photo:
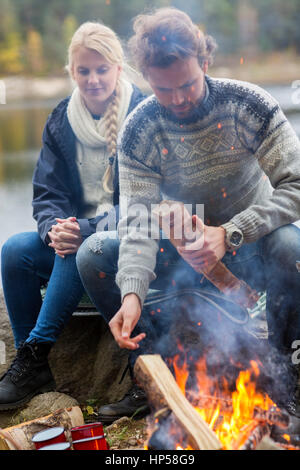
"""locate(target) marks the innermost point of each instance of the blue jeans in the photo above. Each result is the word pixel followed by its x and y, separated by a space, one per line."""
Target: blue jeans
pixel 267 265
pixel 26 264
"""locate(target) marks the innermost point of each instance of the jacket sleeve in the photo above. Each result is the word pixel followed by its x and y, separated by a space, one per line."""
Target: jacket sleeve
pixel 100 223
pixel 51 187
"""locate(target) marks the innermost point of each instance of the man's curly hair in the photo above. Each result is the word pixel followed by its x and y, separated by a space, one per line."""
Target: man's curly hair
pixel 165 36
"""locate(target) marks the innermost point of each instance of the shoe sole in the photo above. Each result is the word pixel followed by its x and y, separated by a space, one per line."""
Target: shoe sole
pixel 111 419
pixel 49 387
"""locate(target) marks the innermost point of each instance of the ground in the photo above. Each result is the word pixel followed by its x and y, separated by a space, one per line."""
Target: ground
pixel 127 433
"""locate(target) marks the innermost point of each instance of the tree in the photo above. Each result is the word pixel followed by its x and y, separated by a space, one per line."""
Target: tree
pixel 34 52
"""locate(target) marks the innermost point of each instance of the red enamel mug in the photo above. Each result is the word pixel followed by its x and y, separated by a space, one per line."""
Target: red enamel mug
pixel 49 436
pixel 91 443
pixel 89 437
pixel 57 446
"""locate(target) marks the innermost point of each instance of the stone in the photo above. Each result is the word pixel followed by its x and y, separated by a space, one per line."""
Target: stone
pixel 86 361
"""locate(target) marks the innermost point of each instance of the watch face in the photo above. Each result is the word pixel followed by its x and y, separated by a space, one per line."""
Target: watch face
pixel 236 238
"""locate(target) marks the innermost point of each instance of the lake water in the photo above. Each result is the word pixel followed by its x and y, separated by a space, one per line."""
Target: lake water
pixel 21 128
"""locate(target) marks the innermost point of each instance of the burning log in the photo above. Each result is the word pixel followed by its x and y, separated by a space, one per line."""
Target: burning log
pixel 155 378
pixel 256 436
pixel 273 416
pixel 174 212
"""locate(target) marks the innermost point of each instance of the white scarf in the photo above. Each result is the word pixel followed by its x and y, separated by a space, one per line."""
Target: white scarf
pixel 92 156
pixel 87 130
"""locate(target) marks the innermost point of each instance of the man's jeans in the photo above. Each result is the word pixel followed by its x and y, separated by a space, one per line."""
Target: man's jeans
pixel 26 264
pixel 267 265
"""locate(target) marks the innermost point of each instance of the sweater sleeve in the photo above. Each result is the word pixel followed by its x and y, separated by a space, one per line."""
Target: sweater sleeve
pixel 140 179
pixel 276 147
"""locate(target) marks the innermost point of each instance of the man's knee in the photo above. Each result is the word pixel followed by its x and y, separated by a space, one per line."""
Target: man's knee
pixel 98 253
pixel 283 245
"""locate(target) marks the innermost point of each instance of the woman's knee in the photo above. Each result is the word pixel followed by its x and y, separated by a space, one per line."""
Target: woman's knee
pixel 17 247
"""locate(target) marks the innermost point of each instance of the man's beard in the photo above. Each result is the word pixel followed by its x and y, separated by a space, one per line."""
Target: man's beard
pixel 183 111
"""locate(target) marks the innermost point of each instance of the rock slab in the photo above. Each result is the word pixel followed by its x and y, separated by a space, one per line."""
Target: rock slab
pixel 86 361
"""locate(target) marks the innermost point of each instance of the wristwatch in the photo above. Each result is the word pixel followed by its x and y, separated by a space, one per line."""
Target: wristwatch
pixel 233 236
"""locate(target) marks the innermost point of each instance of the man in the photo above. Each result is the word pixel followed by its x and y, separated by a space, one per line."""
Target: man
pixel 221 143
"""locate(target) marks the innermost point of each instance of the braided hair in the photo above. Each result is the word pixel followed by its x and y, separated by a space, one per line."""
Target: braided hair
pixel 102 39
pixel 111 132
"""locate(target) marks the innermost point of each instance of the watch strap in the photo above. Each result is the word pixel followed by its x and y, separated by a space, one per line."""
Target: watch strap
pixel 230 226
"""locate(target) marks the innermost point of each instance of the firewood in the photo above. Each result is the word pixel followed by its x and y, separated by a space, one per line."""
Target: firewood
pixel 156 379
pixel 3 444
pixel 259 432
pixel 19 437
pixel 273 416
pixel 174 213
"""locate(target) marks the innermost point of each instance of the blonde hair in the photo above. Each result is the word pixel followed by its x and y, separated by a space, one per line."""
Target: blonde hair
pixel 103 40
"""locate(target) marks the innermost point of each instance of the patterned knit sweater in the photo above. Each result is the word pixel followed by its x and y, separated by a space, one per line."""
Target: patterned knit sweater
pixel 238 155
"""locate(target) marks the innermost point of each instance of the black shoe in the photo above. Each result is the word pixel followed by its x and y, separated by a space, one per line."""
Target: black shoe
pixel 134 404
pixel 28 375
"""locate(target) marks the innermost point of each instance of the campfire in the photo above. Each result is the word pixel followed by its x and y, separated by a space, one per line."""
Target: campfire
pixel 203 398
pixel 240 419
pixel 209 415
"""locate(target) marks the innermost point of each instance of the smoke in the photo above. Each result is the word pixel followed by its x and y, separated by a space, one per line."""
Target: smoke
pixel 190 326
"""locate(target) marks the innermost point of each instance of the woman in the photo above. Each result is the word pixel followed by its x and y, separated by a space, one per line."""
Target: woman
pixel 75 186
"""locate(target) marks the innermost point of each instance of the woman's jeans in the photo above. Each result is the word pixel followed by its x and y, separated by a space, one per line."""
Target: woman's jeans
pixel 266 265
pixel 27 264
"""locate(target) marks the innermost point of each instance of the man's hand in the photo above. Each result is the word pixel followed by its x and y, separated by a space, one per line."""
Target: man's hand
pixel 207 250
pixel 124 321
pixel 65 236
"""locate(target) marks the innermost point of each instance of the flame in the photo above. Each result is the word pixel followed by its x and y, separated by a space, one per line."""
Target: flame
pixel 231 415
pixel 181 373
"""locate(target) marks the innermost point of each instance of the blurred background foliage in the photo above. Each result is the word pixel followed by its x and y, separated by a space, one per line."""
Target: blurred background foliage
pixel 34 35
